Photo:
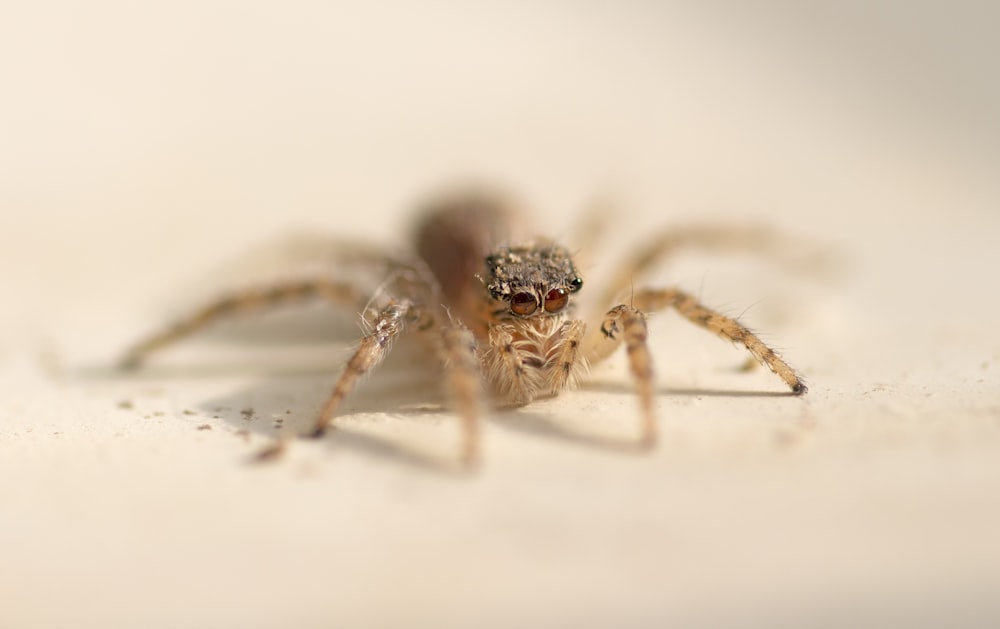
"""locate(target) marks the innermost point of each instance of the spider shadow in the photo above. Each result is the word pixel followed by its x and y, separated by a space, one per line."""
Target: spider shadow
pixel 547 425
pixel 625 388
pixel 279 399
pixel 280 404
pixel 282 409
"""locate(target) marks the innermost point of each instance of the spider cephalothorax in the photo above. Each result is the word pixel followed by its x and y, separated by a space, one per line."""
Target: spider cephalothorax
pixel 535 279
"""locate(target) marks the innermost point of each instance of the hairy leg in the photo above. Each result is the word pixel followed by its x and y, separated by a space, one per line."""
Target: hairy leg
pixel 463 384
pixel 255 299
pixel 387 326
pixel 728 328
pixel 628 324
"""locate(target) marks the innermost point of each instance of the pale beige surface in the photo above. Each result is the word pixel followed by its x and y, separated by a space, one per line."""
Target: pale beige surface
pixel 145 147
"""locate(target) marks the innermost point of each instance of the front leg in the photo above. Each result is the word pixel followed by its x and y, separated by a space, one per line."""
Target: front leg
pixel 726 327
pixel 628 324
pixel 599 347
pixel 388 325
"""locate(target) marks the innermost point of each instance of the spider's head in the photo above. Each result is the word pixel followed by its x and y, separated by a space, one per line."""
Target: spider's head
pixel 532 280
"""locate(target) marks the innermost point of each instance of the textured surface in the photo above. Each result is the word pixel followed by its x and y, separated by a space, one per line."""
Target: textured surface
pixel 146 147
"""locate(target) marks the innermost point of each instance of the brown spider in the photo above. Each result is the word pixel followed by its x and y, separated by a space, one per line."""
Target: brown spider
pixel 497 307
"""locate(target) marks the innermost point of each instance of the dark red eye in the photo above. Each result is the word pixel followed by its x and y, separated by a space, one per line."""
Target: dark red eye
pixel 555 300
pixel 523 304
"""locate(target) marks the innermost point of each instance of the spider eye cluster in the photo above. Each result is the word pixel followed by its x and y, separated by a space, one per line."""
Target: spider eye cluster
pixel 534 279
pixel 524 303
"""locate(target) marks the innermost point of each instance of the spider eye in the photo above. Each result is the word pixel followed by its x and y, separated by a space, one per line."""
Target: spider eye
pixel 556 299
pixel 576 284
pixel 523 304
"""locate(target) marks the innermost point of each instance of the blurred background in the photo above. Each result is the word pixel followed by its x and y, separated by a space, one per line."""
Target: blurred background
pixel 181 128
pixel 144 143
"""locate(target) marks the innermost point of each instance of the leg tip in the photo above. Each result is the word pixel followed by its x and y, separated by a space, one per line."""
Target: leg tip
pixel 800 388
pixel 317 433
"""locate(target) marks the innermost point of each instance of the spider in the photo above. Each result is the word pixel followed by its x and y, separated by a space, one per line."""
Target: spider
pixel 498 308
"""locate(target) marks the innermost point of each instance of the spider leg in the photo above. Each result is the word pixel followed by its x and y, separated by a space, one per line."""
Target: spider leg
pixel 726 327
pixel 387 326
pixel 254 299
pixel 653 300
pixel 752 239
pixel 462 384
pixel 628 324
